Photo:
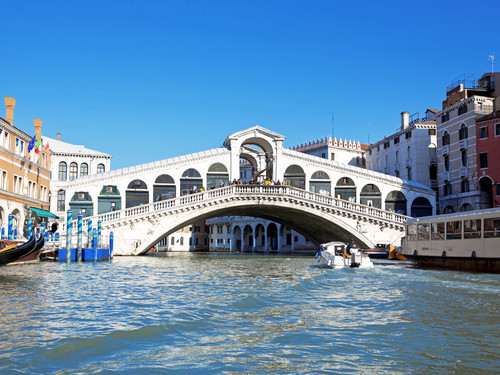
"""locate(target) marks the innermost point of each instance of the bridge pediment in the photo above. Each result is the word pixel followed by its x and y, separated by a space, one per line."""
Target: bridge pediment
pixel 255 135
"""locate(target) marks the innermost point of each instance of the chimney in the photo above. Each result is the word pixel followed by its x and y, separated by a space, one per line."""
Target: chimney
pixel 38 128
pixel 10 103
pixel 58 136
pixel 405 120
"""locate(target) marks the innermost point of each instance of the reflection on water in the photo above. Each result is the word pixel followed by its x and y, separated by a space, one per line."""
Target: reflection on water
pixel 245 314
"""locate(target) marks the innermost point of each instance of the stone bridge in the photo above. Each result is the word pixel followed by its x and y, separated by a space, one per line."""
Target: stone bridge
pixel 319 217
pixel 143 203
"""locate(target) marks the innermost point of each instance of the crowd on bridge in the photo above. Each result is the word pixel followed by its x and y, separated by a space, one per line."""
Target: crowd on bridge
pixel 262 182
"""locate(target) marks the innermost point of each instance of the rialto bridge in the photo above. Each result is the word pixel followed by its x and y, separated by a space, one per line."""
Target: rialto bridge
pixel 322 199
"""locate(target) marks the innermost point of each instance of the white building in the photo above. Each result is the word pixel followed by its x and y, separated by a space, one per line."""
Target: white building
pixel 409 153
pixel 70 162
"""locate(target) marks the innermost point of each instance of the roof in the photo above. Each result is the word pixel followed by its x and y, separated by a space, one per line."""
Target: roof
pixel 60 147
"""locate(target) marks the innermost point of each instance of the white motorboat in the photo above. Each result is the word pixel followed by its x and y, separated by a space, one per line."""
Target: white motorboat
pixel 338 254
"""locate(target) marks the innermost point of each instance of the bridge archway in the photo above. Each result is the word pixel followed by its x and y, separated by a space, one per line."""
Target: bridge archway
pixel 191 181
pixel 421 207
pixel 371 196
pixel 396 201
pixel 109 199
pixel 346 189
pixel 295 176
pixel 217 176
pixel 136 194
pixel 320 183
pixel 236 243
pixel 248 239
pixel 163 188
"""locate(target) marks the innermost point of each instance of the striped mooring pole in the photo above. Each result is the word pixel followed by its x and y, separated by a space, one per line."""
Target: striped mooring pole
pixel 69 229
pixel 99 226
pixel 94 244
pixel 80 233
pixel 9 229
pixel 30 227
pixel 89 232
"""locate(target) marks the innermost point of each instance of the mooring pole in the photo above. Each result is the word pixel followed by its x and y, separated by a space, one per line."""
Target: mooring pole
pixel 94 244
pixel 80 233
pixel 30 227
pixel 111 244
pixel 89 232
pixel 11 224
pixel 69 228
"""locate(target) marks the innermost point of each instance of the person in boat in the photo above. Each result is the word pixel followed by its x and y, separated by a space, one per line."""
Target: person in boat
pixel 350 245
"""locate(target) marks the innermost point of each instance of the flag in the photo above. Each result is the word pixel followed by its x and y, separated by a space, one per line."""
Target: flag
pixel 46 148
pixel 37 145
pixel 32 143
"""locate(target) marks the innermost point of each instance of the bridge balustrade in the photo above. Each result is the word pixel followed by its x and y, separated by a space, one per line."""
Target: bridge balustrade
pixel 245 190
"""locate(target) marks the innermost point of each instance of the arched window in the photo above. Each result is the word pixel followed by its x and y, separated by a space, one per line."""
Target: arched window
pixel 320 183
pixel 446 138
pixel 63 171
pixel 61 194
pixel 217 176
pixel 463 133
pixel 101 168
pixel 295 176
pixel 84 169
pixel 163 188
pixel 73 171
pixel 191 181
pixel 136 194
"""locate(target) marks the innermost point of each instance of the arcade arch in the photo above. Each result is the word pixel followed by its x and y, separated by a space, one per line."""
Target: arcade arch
pixel 217 176
pixel 396 201
pixel 190 181
pixel 320 183
pixel 371 196
pixel 137 194
pixel 163 188
pixel 345 189
pixel 485 192
pixel 295 176
pixel 421 207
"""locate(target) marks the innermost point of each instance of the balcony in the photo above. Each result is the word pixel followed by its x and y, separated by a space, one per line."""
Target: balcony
pixel 434 184
pixel 446 176
pixel 433 160
pixel 464 172
pixel 408 163
pixel 446 149
pixel 462 144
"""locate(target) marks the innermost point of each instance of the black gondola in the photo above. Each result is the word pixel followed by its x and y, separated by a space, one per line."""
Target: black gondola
pixel 11 254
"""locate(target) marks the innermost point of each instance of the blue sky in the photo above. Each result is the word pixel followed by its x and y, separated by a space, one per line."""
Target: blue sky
pixel 147 80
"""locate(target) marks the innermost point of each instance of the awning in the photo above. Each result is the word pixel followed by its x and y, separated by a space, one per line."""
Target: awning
pixel 43 213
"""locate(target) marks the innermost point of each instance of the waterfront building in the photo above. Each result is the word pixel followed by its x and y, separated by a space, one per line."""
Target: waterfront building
pixel 24 175
pixel 71 162
pixel 488 155
pixel 467 101
pixel 409 153
pixel 252 234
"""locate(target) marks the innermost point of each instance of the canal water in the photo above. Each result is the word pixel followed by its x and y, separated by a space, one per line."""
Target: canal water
pixel 246 314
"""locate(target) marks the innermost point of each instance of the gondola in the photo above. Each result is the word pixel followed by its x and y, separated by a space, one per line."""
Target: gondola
pixel 11 253
pixel 33 256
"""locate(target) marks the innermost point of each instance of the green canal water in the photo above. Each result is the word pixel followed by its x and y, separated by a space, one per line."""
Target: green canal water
pixel 246 314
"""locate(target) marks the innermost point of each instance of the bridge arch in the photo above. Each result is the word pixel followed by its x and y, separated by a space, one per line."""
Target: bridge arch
pixel 295 176
pixel 217 176
pixel 371 196
pixel 320 183
pixel 190 181
pixel 396 201
pixel 319 223
pixel 136 194
pixel 421 207
pixel 346 189
pixel 164 187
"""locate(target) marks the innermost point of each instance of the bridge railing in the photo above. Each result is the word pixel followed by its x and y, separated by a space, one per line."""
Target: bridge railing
pixel 244 190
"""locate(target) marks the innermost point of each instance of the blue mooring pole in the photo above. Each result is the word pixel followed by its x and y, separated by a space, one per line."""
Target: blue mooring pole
pixel 30 227
pixel 10 232
pixel 94 244
pixel 99 226
pixel 69 228
pixel 111 244
pixel 80 233
pixel 3 233
pixel 89 232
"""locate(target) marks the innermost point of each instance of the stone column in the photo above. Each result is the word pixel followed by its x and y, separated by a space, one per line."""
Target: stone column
pixel 293 240
pixel 279 236
pixel 265 238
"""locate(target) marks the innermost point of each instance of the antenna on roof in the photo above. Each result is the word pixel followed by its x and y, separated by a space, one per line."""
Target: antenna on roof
pixel 333 126
pixel 491 58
